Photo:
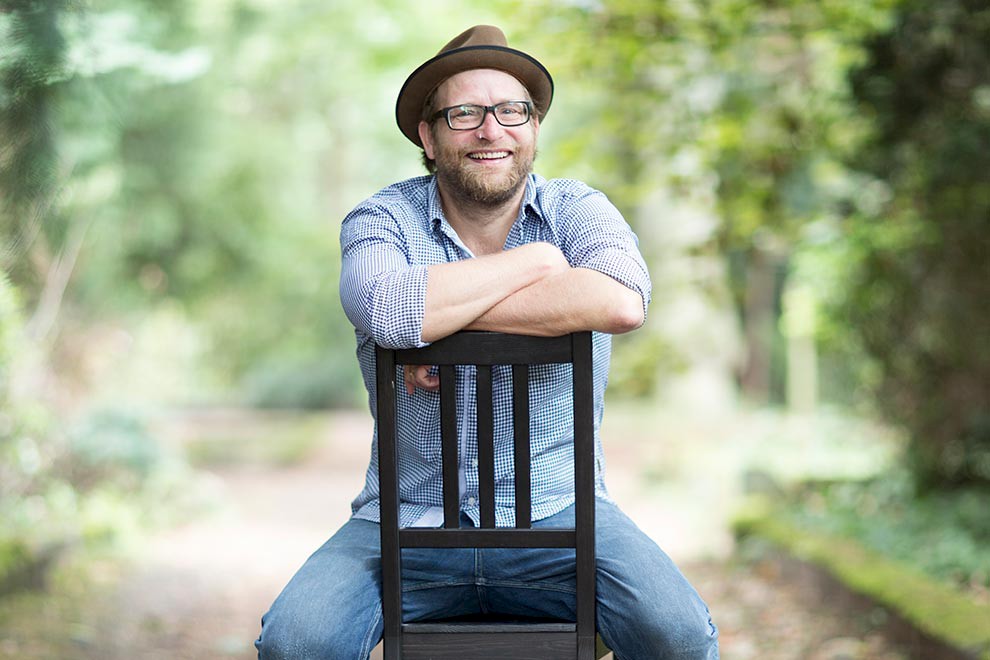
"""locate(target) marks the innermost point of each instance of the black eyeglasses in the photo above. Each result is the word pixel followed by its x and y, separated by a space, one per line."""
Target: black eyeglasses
pixel 470 117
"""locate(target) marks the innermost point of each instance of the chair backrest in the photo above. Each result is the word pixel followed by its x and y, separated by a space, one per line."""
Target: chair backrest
pixel 411 641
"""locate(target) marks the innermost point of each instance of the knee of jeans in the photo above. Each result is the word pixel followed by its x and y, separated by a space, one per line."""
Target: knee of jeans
pixel 686 637
pixel 289 640
pixel 674 637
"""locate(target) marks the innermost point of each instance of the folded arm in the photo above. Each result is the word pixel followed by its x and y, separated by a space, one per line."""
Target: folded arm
pixel 574 300
pixel 458 293
pixel 401 304
pixel 568 300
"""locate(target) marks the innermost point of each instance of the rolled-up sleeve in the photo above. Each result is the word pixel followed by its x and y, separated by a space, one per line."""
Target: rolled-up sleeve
pixel 381 291
pixel 595 235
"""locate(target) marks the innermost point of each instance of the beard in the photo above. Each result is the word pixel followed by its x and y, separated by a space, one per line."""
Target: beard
pixel 478 186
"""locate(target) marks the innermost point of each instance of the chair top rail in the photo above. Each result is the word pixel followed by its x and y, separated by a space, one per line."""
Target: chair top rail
pixel 478 348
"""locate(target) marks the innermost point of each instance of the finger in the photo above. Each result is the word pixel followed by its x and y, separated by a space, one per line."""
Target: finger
pixel 407 372
pixel 425 380
pixel 418 376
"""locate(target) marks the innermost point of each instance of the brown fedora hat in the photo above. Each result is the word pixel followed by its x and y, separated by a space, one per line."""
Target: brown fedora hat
pixel 480 47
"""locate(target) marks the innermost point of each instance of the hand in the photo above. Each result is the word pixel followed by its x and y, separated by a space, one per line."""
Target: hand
pixel 418 375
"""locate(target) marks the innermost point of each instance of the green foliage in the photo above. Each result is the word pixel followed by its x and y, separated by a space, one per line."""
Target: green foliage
pixel 640 362
pixel 32 53
pixel 944 534
pixel 11 326
pixel 206 154
pixel 310 385
pixel 111 446
pixel 879 177
pixel 62 483
pixel 917 267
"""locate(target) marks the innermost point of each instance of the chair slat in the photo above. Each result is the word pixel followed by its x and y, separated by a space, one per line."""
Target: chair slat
pixel 389 502
pixel 486 446
pixel 521 449
pixel 584 490
pixel 448 447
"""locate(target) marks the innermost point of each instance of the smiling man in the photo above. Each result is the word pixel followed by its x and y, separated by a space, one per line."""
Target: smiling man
pixel 483 243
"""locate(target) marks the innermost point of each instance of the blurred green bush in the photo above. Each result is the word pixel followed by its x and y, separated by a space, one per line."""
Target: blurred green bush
pixel 326 382
pixel 94 481
pixel 944 534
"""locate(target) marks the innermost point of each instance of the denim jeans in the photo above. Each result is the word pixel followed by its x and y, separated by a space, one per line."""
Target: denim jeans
pixel 646 609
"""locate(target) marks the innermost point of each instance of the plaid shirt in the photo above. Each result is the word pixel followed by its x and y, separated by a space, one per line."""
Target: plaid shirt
pixel 387 244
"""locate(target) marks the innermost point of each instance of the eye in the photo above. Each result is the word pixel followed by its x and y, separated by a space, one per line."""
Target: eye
pixel 465 112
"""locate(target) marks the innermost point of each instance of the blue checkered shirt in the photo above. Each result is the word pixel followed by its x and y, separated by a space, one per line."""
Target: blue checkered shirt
pixel 387 244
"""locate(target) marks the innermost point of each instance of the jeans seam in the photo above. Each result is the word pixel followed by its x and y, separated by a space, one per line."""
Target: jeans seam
pixel 369 641
pixel 535 586
pixel 479 580
pixel 436 585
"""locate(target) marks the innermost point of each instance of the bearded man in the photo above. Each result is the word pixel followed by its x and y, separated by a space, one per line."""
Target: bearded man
pixel 484 244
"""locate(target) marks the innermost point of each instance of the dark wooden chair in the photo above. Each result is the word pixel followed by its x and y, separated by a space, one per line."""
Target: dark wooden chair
pixel 489 638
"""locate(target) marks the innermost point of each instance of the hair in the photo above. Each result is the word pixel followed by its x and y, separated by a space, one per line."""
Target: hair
pixel 429 110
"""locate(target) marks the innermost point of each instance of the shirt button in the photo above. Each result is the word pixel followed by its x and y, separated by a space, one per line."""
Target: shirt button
pixel 474 463
pixel 471 501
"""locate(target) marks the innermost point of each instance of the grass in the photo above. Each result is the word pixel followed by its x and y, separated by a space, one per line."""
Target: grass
pixel 59 620
pixel 945 535
pixel 930 604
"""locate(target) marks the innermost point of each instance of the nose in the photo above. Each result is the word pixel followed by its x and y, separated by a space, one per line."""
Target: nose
pixel 490 129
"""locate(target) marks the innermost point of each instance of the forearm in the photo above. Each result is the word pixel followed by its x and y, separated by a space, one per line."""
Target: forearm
pixel 571 301
pixel 458 293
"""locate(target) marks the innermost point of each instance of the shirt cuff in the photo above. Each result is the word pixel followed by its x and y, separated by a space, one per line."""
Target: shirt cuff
pixel 398 308
pixel 625 269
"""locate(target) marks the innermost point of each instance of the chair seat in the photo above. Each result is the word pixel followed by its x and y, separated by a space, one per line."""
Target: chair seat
pixel 486 624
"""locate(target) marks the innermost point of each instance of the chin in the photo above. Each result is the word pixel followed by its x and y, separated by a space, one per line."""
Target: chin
pixel 497 193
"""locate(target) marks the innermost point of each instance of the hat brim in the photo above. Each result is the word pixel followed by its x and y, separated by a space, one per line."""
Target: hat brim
pixel 422 81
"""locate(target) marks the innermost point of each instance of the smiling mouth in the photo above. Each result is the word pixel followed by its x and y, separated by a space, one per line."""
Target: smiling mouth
pixel 488 155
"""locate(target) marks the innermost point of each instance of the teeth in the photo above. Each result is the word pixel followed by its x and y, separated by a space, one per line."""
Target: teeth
pixel 490 156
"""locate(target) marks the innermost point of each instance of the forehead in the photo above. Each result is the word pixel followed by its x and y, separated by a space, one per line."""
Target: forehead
pixel 480 85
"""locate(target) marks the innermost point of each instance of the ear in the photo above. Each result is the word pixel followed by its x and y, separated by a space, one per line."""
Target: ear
pixel 426 137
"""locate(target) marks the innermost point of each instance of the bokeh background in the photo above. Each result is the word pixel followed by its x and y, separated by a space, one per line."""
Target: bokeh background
pixel 809 182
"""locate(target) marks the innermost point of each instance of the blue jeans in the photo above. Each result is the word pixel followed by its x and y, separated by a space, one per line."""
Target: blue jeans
pixel 646 609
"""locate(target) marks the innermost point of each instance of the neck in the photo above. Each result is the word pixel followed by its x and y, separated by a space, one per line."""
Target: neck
pixel 482 226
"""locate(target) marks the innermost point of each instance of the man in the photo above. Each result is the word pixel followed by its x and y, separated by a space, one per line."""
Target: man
pixel 485 244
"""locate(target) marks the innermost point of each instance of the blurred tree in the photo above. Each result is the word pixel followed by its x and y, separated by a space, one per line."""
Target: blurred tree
pixel 197 158
pixel 32 239
pixel 747 100
pixel 919 261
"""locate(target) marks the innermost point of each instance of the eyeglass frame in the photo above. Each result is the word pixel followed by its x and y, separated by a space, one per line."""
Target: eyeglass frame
pixel 445 113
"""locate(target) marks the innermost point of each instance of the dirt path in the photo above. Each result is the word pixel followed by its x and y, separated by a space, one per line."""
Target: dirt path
pixel 198 590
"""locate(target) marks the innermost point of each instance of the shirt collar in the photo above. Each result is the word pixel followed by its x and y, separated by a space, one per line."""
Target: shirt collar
pixel 433 206
pixel 529 198
pixel 438 220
